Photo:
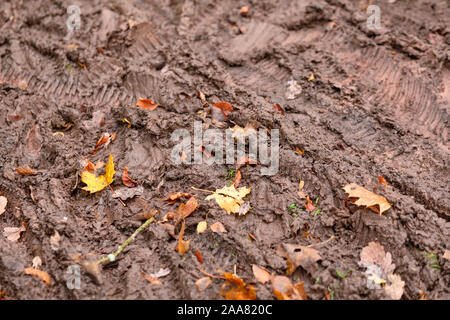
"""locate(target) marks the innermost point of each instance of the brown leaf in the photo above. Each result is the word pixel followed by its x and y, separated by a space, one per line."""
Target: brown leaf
pixel 284 290
pixel 146 214
pixel 89 167
pixel 182 246
pixel 199 256
pixel 261 274
pixel 218 227
pixel 203 283
pixel 239 290
pixel 174 196
pixel 446 255
pixel 105 139
pixel 374 253
pixel 297 255
pixel 146 104
pixel 3 203
pixel 185 209
pixel 26 171
pixel 237 179
pixel 41 275
pixel 54 241
pixel 244 11
pixel 309 206
pixel 127 180
pixel 381 180
pixel 225 107
pixel 13 233
pixel 278 108
pixel 152 280
pixel 367 198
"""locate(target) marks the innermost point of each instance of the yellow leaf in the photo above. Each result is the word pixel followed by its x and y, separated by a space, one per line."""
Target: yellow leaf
pixel 95 183
pixel 366 198
pixel 229 198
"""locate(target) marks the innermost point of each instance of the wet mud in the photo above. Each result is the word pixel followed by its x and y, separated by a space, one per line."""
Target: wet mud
pixel 378 106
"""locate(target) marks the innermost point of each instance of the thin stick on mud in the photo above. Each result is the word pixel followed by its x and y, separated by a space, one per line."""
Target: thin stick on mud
pixel 204 190
pixel 112 257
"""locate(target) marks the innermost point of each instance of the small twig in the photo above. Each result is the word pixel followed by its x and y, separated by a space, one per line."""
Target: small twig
pixel 320 243
pixel 118 198
pixel 112 257
pixel 210 275
pixel 204 190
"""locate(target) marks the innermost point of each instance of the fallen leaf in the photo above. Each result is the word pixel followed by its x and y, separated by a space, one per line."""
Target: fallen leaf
pixel 174 196
pixel 3 203
pixel 182 246
pixel 244 11
pixel 374 253
pixel 242 133
pixel 367 198
pixel 245 207
pixel 381 180
pixel 161 273
pixel 105 139
pixel 446 255
pixel 300 151
pixel 89 167
pixel 225 107
pixel 395 288
pixel 261 274
pixel 98 183
pixel 54 241
pixel 300 193
pixel 152 280
pixel 202 226
pixel 229 198
pixel 203 283
pixel 218 227
pixel 278 108
pixel 126 180
pixel 237 179
pixel 185 209
pixel 37 262
pixel 26 171
pixel 309 206
pixel 199 256
pixel 311 77
pixel 41 275
pixel 239 290
pixel 297 255
pixel 13 233
pixel 284 290
pixel 146 214
pixel 146 104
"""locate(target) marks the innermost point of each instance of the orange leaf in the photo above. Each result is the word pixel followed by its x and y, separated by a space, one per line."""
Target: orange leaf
pixel 182 246
pixel 225 107
pixel 146 104
pixel 199 256
pixel 185 209
pixel 237 179
pixel 381 180
pixel 26 171
pixel 105 139
pixel 279 108
pixel 174 196
pixel 366 198
pixel 284 290
pixel 42 275
pixel 239 289
pixel 127 180
pixel 218 227
pixel 309 205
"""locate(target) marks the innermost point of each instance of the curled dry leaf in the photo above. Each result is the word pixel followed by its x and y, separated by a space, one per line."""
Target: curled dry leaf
pixel 199 256
pixel 309 206
pixel 26 171
pixel 225 107
pixel 146 104
pixel 229 198
pixel 237 179
pixel 381 180
pixel 184 209
pixel 366 198
pixel 105 139
pixel 13 233
pixel 238 289
pixel 278 108
pixel 98 183
pixel 41 275
pixel 161 273
pixel 174 196
pixel 284 290
pixel 152 280
pixel 182 246
pixel 261 274
pixel 3 203
pixel 203 283
pixel 218 227
pixel 126 180
pixel 202 226
pixel 297 255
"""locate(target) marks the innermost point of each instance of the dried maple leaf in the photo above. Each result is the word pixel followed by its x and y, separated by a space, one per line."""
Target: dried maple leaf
pixel 126 180
pixel 261 274
pixel 3 203
pixel 203 283
pixel 202 226
pixel 229 198
pixel 98 183
pixel 239 289
pixel 26 171
pixel 182 246
pixel 218 227
pixel 367 198
pixel 174 196
pixel 13 233
pixel 284 290
pixel 297 255
pixel 41 275
pixel 146 104
pixel 225 107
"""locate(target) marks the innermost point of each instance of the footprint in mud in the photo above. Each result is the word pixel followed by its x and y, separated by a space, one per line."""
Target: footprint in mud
pixel 142 158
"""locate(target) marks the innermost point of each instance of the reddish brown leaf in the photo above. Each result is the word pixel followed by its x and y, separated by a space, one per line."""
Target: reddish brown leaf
pixel 284 290
pixel 127 180
pixel 199 256
pixel 239 290
pixel 105 139
pixel 185 209
pixel 225 107
pixel 237 179
pixel 26 171
pixel 182 246
pixel 146 104
pixel 244 11
pixel 381 180
pixel 146 215
pixel 174 196
pixel 297 255
pixel 309 206
pixel 278 108
pixel 89 167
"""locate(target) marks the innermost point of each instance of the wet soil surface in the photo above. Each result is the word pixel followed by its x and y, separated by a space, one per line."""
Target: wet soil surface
pixel 378 106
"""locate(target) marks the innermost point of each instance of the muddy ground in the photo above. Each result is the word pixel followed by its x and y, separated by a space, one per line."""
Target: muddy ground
pixel 378 106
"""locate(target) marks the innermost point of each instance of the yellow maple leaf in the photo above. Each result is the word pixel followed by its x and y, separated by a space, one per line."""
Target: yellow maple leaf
pixel 98 183
pixel 229 198
pixel 366 198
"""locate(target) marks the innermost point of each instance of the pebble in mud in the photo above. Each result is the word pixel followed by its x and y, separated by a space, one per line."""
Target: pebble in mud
pixel 293 90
